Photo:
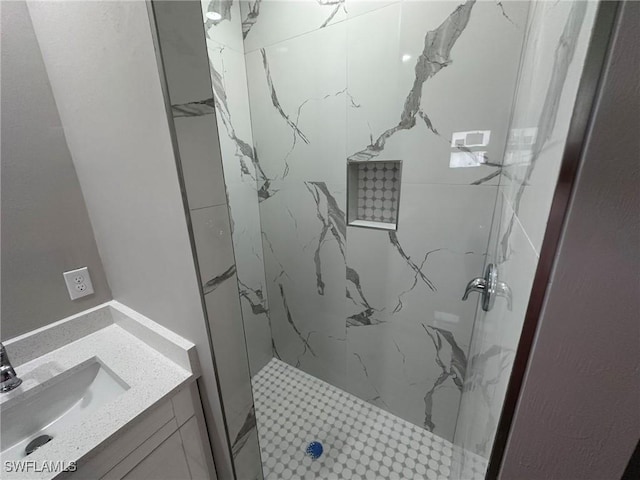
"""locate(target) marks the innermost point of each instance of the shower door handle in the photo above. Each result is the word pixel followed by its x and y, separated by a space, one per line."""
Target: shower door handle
pixel 489 287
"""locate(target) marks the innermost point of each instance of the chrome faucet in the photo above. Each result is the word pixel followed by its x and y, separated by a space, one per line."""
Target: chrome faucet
pixel 489 287
pixel 8 376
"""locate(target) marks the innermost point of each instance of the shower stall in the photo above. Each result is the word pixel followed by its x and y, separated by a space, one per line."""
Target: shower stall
pixel 377 157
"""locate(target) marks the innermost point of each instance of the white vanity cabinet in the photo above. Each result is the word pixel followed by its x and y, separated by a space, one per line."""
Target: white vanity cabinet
pixel 166 461
pixel 168 443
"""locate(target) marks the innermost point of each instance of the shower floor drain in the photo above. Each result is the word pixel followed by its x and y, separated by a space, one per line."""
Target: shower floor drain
pixel 314 450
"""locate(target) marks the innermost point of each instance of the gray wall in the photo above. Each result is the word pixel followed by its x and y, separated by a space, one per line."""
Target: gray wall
pixel 578 415
pixel 103 71
pixel 46 229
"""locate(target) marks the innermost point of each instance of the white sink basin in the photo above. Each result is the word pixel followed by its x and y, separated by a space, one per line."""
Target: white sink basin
pixel 52 407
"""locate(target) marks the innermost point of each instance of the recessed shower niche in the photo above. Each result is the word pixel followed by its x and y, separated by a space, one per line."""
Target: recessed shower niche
pixel 373 194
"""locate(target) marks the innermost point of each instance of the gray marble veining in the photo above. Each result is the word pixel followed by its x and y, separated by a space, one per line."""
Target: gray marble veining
pixel 245 433
pixel 333 222
pixel 393 237
pixel 377 398
pixel 435 56
pixel 243 149
pixel 367 315
pixel 547 85
pixel 455 370
pixel 563 57
pixel 194 109
pixel 504 13
pixel 212 284
pixel 254 297
pixel 337 5
pixel 487 369
pixel 303 339
pixel 299 111
pixel 281 272
pixel 251 17
pixel 276 102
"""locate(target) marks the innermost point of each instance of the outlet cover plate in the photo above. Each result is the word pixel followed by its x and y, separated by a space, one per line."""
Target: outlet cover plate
pixel 78 283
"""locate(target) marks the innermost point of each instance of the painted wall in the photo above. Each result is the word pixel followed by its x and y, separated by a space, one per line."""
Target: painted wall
pixel 378 314
pixel 197 112
pixel 578 415
pixel 552 63
pixel 104 75
pixel 46 228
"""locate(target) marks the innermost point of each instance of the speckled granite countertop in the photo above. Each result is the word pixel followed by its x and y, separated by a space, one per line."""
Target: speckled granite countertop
pixel 120 339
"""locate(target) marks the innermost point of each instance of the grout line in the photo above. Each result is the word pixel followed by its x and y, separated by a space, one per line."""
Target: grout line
pixel 224 204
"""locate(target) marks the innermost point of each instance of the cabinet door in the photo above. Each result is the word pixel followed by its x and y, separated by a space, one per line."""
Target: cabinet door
pixel 167 462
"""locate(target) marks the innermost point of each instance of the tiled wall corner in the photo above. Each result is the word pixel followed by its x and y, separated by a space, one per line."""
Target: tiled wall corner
pixel 243 174
pixel 196 119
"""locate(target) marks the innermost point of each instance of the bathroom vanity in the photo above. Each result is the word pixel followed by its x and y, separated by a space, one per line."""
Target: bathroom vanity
pixel 107 393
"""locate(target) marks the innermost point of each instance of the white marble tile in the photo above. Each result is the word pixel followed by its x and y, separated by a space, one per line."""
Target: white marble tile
pixel 212 235
pixel 228 77
pixel 420 271
pixel 200 160
pixel 373 50
pixel 247 459
pixel 412 109
pixel 241 173
pixel 410 283
pixel 394 366
pixel 298 100
pixel 548 83
pixel 303 242
pixel 247 245
pixel 227 335
pixel 223 308
pixel 297 93
pixel 279 20
pixel 227 28
pixel 183 51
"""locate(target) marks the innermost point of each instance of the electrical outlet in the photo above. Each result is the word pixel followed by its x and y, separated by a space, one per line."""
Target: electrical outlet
pixel 78 283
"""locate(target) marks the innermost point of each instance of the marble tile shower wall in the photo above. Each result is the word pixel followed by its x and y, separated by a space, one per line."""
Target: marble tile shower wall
pixel 241 171
pixel 376 313
pixel 553 58
pixel 222 219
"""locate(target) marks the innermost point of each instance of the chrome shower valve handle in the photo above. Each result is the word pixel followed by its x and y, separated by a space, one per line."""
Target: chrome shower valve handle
pixel 489 287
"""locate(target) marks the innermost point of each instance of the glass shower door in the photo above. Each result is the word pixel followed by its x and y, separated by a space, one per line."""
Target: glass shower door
pixel 553 57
